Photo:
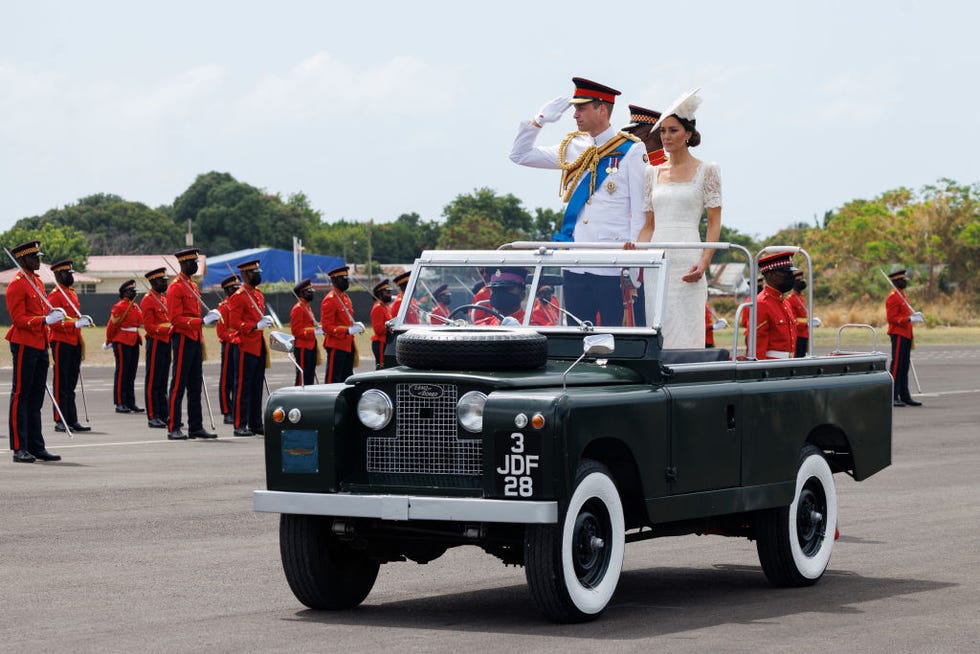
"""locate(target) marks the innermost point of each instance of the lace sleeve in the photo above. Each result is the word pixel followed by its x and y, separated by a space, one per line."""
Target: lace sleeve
pixel 712 185
pixel 651 175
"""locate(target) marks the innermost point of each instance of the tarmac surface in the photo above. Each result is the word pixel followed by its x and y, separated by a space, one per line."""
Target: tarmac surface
pixel 137 543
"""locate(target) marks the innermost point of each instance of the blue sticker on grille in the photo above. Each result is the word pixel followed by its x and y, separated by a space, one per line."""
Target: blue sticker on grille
pixel 300 453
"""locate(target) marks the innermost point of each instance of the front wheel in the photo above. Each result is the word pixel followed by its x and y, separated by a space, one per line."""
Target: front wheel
pixel 794 542
pixel 573 567
pixel 323 571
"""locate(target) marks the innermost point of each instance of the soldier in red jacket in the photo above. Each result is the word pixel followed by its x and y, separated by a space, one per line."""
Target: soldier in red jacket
pixel 302 324
pixel 412 317
pixel 122 332
pixel 800 314
pixel 184 310
pixel 900 317
pixel 246 315
pixel 228 338
pixel 28 335
pixel 156 322
pixel 67 346
pixel 775 326
pixel 380 315
pixel 339 328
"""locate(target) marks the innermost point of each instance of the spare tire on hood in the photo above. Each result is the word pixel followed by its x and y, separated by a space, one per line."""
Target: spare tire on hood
pixel 471 349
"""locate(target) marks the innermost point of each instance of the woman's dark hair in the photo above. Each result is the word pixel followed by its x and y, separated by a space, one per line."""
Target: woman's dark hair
pixel 689 126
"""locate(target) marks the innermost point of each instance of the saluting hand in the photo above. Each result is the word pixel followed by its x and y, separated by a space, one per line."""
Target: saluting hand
pixel 551 112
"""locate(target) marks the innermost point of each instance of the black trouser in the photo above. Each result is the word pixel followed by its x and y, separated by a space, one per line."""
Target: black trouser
pixel 186 376
pixel 30 375
pixel 596 298
pixel 67 363
pixel 248 393
pixel 229 378
pixel 306 358
pixel 376 351
pixel 340 365
pixel 155 380
pixel 124 382
pixel 801 346
pixel 901 353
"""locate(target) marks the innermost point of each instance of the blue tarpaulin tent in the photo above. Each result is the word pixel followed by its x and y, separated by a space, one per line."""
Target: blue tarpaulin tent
pixel 277 265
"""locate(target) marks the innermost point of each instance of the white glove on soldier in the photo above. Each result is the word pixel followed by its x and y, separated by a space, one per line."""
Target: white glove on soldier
pixel 551 112
pixel 318 331
pixel 356 328
pixel 211 317
pixel 107 346
pixel 917 317
pixel 56 315
pixel 721 323
pixel 264 321
pixel 83 321
pixel 815 322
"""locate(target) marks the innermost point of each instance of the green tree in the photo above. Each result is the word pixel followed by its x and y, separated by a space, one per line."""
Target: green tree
pixel 476 232
pixel 57 242
pixel 506 211
pixel 545 223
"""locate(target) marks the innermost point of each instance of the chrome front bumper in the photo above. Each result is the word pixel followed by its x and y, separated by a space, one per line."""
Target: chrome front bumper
pixel 406 507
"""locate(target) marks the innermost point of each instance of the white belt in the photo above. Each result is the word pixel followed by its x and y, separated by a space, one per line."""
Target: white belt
pixel 129 329
pixel 778 354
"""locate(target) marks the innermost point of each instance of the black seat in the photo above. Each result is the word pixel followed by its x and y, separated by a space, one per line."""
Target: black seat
pixel 694 355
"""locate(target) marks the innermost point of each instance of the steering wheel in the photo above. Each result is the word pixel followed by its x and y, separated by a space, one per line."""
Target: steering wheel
pixel 482 307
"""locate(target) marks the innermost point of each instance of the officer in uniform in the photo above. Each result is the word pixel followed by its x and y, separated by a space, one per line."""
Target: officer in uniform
pixel 380 315
pixel 507 290
pixel 900 316
pixel 800 314
pixel 156 323
pixel 602 184
pixel 28 336
pixel 444 298
pixel 412 317
pixel 641 125
pixel 545 311
pixel 775 325
pixel 247 317
pixel 67 346
pixel 229 351
pixel 339 328
pixel 302 324
pixel 122 332
pixel 184 310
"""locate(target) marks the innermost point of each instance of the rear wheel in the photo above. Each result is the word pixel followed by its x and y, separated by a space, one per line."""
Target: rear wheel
pixel 323 571
pixel 795 542
pixel 573 567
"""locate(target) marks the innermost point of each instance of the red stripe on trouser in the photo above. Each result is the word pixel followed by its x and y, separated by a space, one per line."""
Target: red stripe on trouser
pixel 117 392
pixel 238 388
pixel 223 383
pixel 18 389
pixel 331 357
pixel 57 381
pixel 896 346
pixel 173 391
pixel 148 392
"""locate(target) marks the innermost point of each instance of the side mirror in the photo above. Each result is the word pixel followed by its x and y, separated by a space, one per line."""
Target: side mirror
pixel 598 344
pixel 281 342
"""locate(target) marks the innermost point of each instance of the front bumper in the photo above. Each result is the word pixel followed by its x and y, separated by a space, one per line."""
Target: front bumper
pixel 406 507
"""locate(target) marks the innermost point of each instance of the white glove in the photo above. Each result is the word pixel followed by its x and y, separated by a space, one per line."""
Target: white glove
pixel 551 112
pixel 356 328
pixel 815 322
pixel 721 323
pixel 211 317
pixel 509 321
pixel 83 321
pixel 107 346
pixel 917 317
pixel 264 321
pixel 56 315
pixel 318 331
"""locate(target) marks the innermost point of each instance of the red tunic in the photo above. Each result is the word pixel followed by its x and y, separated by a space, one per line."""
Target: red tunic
pixel 709 332
pixel 302 325
pixel 184 308
pixel 545 314
pixel 27 312
pixel 380 314
pixel 125 319
pixel 492 320
pixel 412 317
pixel 897 312
pixel 336 315
pixel 65 332
pixel 156 322
pixel 440 310
pixel 798 306
pixel 242 317
pixel 775 330
pixel 222 328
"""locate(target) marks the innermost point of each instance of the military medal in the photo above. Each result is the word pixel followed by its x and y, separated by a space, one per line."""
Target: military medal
pixel 611 187
pixel 613 166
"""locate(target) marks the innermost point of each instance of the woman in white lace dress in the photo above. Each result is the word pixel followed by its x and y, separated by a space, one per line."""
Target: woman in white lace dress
pixel 677 192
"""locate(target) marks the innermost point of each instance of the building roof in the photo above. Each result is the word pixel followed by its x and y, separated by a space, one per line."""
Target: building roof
pixel 47 276
pixel 134 264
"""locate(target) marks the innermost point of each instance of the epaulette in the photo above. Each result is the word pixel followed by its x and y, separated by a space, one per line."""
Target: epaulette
pixel 630 137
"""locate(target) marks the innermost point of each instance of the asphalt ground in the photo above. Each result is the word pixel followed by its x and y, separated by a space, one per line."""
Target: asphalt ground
pixel 133 542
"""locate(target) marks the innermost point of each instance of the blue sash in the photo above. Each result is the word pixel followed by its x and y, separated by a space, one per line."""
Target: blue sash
pixel 581 194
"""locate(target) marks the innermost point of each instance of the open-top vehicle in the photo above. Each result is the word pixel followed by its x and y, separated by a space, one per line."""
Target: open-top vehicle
pixel 553 445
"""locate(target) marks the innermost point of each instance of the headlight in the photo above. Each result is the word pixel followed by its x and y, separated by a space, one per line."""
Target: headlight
pixel 469 410
pixel 374 409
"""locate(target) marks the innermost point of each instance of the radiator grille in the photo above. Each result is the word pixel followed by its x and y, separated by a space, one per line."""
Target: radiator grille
pixel 426 435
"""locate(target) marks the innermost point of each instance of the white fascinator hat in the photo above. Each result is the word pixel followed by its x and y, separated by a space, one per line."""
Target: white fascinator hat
pixel 683 107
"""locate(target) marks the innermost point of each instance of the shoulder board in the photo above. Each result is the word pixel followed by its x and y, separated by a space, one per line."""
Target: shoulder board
pixel 630 137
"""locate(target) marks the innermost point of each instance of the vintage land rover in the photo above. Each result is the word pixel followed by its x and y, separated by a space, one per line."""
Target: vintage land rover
pixel 553 445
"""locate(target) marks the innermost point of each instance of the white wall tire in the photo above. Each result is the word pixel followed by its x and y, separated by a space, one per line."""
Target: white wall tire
pixel 573 567
pixel 795 542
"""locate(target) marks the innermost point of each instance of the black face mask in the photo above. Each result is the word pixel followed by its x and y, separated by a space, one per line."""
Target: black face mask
pixel 189 268
pixel 255 278
pixel 799 285
pixel 66 279
pixel 308 296
pixel 784 286
pixel 445 298
pixel 901 283
pixel 385 297
pixel 504 301
pixel 341 283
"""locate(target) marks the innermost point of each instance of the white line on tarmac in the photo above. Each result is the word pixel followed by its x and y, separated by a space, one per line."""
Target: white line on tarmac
pixel 66 446
pixel 940 394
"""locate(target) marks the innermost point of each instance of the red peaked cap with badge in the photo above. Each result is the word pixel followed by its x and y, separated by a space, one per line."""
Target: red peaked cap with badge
pixel 508 277
pixel 588 91
pixel 776 261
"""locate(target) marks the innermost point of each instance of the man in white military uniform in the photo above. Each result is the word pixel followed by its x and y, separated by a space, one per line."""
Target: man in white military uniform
pixel 601 184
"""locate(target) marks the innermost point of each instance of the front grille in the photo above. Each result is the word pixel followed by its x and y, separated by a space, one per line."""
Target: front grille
pixel 426 436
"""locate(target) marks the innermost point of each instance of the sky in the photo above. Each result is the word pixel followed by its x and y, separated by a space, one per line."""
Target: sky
pixel 375 109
